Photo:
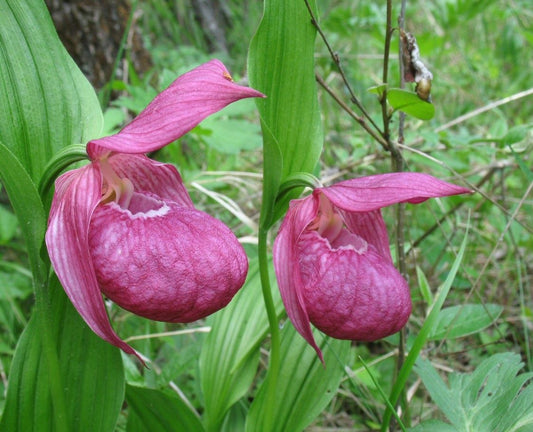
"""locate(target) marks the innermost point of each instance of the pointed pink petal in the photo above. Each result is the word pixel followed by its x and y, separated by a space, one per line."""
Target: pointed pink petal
pixel 77 194
pixel 374 192
pixel 191 98
pixel 164 261
pixel 286 265
pixel 149 176
pixel 350 294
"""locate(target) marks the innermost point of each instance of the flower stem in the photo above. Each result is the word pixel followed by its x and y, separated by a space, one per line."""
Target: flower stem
pixel 275 345
pixel 44 314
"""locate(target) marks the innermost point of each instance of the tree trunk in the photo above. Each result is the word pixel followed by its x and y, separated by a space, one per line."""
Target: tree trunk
pixel 92 31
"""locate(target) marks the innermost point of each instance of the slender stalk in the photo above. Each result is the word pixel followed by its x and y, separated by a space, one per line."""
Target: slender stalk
pixel 44 314
pixel 275 344
pixel 397 165
pixel 386 54
pixel 352 114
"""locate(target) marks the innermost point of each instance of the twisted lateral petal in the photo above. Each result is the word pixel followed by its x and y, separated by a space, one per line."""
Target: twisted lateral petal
pixel 77 194
pixel 286 264
pixel 147 175
pixel 163 261
pixel 370 193
pixel 175 111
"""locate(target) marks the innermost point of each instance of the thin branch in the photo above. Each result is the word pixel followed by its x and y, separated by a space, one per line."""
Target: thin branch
pixel 336 60
pixel 351 113
pixel 386 54
pixel 485 108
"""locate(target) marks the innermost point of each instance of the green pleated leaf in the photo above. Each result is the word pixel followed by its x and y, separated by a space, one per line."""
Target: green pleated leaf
pixel 462 320
pixel 305 386
pixel 410 104
pixel 91 375
pixel 28 207
pixel 230 353
pixel 46 101
pixel 156 411
pixel 63 377
pixel 281 65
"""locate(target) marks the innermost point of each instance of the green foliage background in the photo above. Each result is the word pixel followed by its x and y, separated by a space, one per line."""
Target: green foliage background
pixel 478 52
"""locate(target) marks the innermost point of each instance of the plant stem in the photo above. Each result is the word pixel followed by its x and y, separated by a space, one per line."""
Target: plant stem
pixel 275 345
pixel 397 165
pixel 44 314
pixel 385 78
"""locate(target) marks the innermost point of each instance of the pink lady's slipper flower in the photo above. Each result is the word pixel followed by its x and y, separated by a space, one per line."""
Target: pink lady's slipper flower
pixel 125 226
pixel 333 262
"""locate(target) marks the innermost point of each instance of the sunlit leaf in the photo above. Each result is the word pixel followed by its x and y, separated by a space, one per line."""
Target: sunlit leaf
pixel 410 104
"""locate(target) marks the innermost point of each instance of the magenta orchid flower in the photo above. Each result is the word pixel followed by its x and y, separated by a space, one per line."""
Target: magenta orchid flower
pixel 332 257
pixel 125 226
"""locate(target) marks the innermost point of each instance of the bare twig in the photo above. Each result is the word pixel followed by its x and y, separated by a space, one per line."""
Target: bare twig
pixel 485 108
pixel 351 113
pixel 336 59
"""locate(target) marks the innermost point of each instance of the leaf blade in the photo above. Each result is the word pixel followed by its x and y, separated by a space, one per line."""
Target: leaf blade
pixel 47 102
pixel 281 65
pixel 305 386
pixel 157 411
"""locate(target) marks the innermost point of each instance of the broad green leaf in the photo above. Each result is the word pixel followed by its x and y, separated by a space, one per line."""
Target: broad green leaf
pixel 230 353
pixel 156 411
pixel 410 103
pixel 462 320
pixel 493 398
pixel 305 385
pixel 281 65
pixel 46 101
pixel 91 375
